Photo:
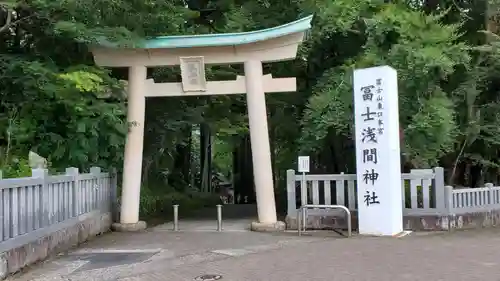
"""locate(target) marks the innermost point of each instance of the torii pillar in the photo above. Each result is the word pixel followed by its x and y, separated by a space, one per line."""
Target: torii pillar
pixel 192 53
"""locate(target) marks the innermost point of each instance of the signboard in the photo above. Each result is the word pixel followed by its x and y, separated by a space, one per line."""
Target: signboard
pixel 193 74
pixel 378 168
pixel 303 164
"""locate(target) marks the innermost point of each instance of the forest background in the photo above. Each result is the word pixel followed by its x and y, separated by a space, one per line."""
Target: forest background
pixel 56 102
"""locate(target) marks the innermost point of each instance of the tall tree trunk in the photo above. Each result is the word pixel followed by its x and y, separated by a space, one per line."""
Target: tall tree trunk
pixel 179 178
pixel 205 157
pixel 186 167
pixel 243 172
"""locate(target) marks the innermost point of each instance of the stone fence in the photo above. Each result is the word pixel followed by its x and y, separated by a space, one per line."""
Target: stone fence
pixel 43 214
pixel 428 203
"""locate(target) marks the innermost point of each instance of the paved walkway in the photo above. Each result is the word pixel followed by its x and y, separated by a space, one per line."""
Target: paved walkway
pixel 240 255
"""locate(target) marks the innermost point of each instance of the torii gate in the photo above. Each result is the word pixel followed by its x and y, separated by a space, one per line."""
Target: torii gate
pixel 192 53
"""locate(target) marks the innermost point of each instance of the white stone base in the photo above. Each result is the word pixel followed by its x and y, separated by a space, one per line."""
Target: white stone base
pixel 278 226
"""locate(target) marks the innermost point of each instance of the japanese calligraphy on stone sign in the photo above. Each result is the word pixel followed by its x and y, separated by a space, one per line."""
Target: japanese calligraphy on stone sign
pixel 193 74
pixel 372 128
pixel 377 145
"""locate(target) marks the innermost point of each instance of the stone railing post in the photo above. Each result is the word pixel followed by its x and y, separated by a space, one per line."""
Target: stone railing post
pixel 75 190
pixel 491 197
pixel 44 214
pixel 96 188
pixel 440 189
pixel 448 202
pixel 113 195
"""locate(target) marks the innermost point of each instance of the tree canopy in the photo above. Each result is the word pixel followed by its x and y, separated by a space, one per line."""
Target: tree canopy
pixel 55 101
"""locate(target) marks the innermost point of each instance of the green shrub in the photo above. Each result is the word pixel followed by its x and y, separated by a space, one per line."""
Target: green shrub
pixel 159 204
pixel 16 168
pixel 420 196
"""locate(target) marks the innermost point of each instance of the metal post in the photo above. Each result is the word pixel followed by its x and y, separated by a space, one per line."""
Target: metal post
pixel 304 210
pixel 299 221
pixel 349 227
pixel 304 218
pixel 219 217
pixel 176 217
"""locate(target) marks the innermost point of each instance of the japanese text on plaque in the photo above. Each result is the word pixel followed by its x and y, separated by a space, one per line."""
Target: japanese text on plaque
pixel 373 128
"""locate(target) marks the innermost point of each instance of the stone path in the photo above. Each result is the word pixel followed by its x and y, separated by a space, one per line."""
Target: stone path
pixel 240 255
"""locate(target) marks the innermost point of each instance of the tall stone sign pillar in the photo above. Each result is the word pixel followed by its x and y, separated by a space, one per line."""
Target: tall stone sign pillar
pixel 378 169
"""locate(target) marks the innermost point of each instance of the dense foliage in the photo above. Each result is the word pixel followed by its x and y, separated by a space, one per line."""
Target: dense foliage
pixel 56 102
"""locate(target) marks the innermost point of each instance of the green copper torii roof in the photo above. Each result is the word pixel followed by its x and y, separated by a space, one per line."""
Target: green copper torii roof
pixel 224 39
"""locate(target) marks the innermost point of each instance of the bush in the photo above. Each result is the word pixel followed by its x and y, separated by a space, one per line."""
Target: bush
pixel 16 168
pixel 420 196
pixel 159 204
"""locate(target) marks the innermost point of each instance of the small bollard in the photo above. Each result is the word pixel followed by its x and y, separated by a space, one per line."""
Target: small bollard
pixel 219 217
pixel 176 217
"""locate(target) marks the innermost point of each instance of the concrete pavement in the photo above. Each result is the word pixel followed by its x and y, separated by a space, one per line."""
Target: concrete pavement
pixel 237 255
